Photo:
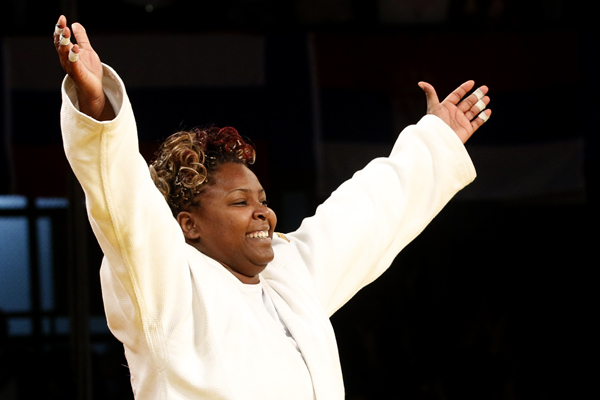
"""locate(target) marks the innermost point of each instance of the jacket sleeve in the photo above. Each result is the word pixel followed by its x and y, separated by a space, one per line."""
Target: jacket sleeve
pixel 355 234
pixel 142 243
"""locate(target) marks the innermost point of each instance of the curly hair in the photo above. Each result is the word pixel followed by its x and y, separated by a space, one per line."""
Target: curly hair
pixel 187 160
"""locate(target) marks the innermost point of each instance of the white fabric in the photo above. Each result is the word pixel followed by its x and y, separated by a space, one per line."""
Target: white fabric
pixel 481 106
pixel 275 315
pixel 189 327
pixel 73 57
pixel 479 94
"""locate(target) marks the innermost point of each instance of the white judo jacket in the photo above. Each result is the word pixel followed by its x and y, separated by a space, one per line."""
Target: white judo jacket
pixel 190 329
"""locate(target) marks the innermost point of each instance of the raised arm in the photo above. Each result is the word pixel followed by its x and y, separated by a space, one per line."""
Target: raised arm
pixel 356 233
pixel 83 65
pixel 145 276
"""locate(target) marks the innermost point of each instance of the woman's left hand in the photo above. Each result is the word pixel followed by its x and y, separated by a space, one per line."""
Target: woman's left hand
pixel 464 116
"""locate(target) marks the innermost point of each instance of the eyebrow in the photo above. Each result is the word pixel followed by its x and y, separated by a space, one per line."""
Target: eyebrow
pixel 245 190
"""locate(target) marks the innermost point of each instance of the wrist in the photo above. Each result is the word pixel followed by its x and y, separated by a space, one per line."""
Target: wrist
pixel 96 107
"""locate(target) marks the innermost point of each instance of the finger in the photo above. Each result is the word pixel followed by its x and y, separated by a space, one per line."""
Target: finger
pixel 484 115
pixel 477 97
pixel 430 95
pixel 67 51
pixel 64 39
pixel 81 36
pixel 60 24
pixel 74 54
pixel 476 108
pixel 63 42
pixel 481 119
pixel 59 30
pixel 456 96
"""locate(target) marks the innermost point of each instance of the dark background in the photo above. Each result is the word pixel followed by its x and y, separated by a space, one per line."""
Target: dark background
pixel 493 301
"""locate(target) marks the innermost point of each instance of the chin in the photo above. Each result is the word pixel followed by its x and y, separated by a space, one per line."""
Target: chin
pixel 263 259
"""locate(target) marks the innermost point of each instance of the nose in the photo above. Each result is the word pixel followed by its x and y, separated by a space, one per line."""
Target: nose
pixel 262 212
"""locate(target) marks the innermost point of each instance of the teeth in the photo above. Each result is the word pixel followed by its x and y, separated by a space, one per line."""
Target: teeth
pixel 259 235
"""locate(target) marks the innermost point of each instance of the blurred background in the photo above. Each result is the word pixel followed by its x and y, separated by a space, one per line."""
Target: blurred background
pixel 493 301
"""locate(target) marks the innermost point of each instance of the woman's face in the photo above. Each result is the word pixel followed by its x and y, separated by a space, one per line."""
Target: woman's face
pixel 233 222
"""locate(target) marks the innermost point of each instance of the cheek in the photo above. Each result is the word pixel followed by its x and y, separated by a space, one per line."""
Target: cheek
pixel 224 231
pixel 214 231
pixel 272 219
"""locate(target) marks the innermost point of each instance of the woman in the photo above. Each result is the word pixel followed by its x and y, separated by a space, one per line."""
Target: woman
pixel 211 303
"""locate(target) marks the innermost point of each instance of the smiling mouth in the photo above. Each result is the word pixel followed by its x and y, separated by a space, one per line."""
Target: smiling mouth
pixel 258 235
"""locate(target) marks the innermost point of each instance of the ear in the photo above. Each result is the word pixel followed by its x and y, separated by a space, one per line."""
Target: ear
pixel 188 225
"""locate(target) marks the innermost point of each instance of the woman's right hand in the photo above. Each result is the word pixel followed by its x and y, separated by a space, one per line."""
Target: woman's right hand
pixel 86 71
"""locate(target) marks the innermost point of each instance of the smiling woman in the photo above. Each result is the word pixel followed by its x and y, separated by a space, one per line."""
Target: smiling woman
pixel 210 304
pixel 231 212
pixel 218 202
